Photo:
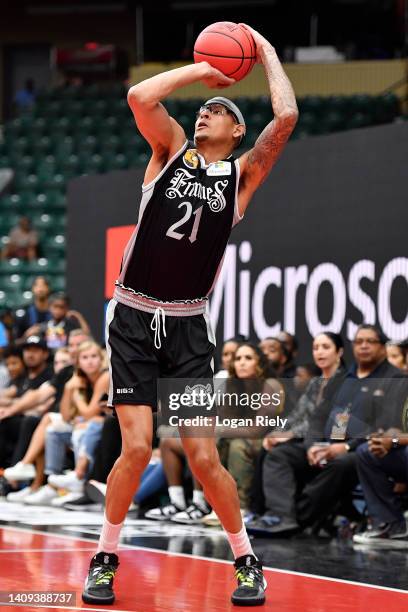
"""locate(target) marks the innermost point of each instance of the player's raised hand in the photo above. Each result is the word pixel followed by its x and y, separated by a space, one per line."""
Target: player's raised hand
pixel 260 41
pixel 215 79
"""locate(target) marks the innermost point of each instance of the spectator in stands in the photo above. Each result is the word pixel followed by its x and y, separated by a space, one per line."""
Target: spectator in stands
pixel 279 357
pixel 249 373
pixel 25 97
pixel 80 406
pixel 35 356
pixel 366 401
pixel 304 374
pixel 291 344
pixel 24 469
pixel 397 354
pixel 173 462
pixel 23 241
pixel 382 462
pixel 4 374
pixel 4 339
pixel 286 452
pixel 10 428
pixel 153 479
pixel 228 349
pixel 28 319
pixel 33 441
pixel 62 322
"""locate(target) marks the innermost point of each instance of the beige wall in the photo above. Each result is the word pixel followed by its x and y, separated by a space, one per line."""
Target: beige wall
pixel 372 77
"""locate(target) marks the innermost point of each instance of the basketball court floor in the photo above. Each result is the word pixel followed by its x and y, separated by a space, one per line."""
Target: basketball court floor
pixel 166 567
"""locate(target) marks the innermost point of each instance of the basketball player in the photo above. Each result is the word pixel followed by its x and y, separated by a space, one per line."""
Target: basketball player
pixel 192 196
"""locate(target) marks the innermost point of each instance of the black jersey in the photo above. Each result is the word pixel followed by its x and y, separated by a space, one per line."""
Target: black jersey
pixel 185 219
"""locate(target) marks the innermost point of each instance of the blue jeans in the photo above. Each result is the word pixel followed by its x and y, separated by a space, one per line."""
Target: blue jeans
pixel 56 444
pixel 88 442
pixel 83 442
pixel 152 481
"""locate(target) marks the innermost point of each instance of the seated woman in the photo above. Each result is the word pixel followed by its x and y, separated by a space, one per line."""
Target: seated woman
pixel 285 467
pixel 78 425
pixel 250 377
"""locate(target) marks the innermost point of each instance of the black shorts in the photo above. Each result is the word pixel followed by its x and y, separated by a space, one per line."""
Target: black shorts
pixel 135 363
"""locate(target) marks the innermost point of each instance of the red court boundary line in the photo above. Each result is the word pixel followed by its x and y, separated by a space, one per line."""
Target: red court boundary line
pixel 174 554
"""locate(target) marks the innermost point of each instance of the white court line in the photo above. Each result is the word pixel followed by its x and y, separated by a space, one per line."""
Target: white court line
pixel 186 555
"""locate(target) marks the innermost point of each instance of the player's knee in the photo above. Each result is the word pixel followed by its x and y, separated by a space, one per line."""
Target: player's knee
pixel 204 464
pixel 137 452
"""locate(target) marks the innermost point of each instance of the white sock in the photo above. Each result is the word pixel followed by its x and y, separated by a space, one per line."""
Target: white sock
pixel 199 499
pixel 109 538
pixel 177 497
pixel 240 543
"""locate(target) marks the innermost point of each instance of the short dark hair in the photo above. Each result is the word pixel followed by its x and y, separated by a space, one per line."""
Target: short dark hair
pixel 13 351
pixel 59 296
pixel 382 338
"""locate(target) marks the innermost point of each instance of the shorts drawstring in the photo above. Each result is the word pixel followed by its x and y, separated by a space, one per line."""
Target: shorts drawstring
pixel 157 325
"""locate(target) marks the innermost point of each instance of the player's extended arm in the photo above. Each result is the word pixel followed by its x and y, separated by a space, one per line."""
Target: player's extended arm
pixel 161 131
pixel 257 163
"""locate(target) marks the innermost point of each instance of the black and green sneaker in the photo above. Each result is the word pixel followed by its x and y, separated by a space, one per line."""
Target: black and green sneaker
pixel 251 582
pixel 99 583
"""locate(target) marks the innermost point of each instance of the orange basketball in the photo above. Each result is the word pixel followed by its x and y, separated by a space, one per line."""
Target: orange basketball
pixel 228 47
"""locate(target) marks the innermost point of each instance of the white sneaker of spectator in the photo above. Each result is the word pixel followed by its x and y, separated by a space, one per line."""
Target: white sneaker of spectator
pixel 61 500
pixel 20 471
pixel 69 481
pixel 42 497
pixel 19 496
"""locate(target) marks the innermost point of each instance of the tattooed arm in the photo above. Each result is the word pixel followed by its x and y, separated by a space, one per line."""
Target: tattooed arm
pixel 256 164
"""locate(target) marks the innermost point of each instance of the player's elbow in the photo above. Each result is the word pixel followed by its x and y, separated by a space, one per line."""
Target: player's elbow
pixel 138 97
pixel 289 116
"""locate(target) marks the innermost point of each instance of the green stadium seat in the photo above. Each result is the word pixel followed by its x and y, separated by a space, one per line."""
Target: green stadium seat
pixel 386 108
pixel 5 161
pixel 26 298
pixel 312 104
pixel 91 92
pixel 100 108
pixel 42 146
pixel 39 127
pixel 13 282
pixel 56 183
pixel 21 146
pixel 26 182
pixel 54 246
pixel 64 146
pixel 12 266
pixel 58 282
pixel 10 203
pixel 111 144
pixel 37 267
pixel 88 144
pixel 42 221
pixel 14 129
pixel 115 161
pixel 358 120
pixel 112 123
pixel 333 121
pixel 27 164
pixel 3 299
pixel 56 201
pixel 58 266
pixel 92 164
